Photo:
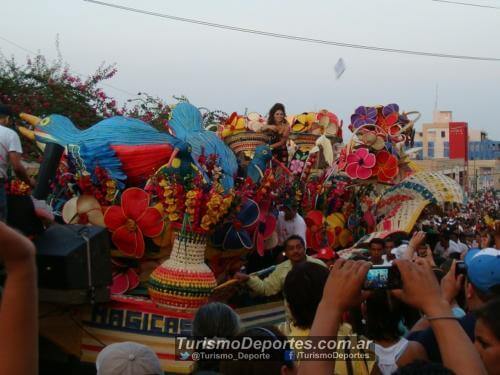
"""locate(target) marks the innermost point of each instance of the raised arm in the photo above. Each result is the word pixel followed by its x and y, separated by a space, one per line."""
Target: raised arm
pixel 422 291
pixel 416 240
pixel 19 306
pixel 342 291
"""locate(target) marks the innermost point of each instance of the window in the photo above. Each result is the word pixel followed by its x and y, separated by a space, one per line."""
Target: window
pixel 443 134
pixel 446 149
pixel 430 150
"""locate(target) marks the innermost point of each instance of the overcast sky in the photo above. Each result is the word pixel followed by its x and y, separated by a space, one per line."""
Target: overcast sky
pixel 233 71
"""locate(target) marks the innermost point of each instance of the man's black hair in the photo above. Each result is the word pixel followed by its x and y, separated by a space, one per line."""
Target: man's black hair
pixel 383 315
pixel 489 314
pixel 5 110
pixel 294 237
pixel 303 291
pixel 377 241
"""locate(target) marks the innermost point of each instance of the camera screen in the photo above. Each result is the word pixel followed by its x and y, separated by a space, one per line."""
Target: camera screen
pixel 377 278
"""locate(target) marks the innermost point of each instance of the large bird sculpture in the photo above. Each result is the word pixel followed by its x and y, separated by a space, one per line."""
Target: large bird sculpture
pixel 187 125
pixel 259 163
pixel 128 149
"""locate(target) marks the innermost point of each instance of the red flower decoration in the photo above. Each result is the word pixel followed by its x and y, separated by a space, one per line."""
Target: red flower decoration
pixel 360 164
pixel 266 224
pixel 133 220
pixel 388 118
pixel 317 234
pixel 124 281
pixel 386 167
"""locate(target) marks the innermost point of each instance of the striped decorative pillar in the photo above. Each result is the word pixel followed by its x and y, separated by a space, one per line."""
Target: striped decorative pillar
pixel 183 281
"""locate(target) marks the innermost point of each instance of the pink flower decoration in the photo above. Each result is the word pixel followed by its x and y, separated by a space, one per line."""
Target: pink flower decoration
pixel 360 164
pixel 296 166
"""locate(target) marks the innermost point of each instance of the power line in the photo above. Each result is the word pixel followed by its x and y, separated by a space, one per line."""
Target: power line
pixel 292 37
pixel 467 4
pixel 79 74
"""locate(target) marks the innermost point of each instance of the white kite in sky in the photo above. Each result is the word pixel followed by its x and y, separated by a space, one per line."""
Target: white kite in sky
pixel 339 68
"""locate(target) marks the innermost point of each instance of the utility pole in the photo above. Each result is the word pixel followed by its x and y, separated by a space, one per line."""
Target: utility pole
pixel 475 176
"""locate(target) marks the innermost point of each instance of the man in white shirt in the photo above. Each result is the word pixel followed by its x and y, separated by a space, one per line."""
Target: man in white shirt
pixel 290 223
pixel 445 247
pixel 10 154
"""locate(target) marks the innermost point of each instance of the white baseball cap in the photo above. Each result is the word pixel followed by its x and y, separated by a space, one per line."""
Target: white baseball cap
pixel 128 358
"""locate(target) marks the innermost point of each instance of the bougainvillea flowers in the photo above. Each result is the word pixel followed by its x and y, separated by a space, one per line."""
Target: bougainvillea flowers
pixel 133 220
pixel 386 167
pixel 360 164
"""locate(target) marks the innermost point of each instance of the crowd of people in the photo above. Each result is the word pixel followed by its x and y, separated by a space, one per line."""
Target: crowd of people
pixel 441 321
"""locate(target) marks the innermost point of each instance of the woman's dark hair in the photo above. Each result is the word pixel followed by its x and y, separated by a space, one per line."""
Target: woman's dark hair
pixel 303 291
pixel 383 315
pixel 259 367
pixel 215 320
pixel 273 110
pixel 490 315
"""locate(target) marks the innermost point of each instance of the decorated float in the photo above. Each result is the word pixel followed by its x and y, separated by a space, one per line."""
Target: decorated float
pixel 180 208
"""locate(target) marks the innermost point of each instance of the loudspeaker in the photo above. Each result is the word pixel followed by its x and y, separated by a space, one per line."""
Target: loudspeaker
pixel 73 259
pixel 21 215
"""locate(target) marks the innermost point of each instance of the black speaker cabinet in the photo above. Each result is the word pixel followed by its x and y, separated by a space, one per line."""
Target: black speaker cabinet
pixel 74 262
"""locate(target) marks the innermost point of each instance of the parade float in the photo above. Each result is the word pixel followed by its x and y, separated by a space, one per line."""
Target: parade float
pixel 164 217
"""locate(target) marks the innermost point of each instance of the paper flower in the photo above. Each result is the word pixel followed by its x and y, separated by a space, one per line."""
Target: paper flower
pixel 124 281
pixel 363 116
pixel 388 119
pixel 373 140
pixel 233 235
pixel 84 209
pixel 18 188
pixel 296 166
pixel 266 224
pixel 133 220
pixel 386 167
pixel 326 118
pixel 318 234
pixel 360 164
pixel 234 124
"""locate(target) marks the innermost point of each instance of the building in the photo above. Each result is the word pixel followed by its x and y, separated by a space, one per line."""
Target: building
pixel 483 166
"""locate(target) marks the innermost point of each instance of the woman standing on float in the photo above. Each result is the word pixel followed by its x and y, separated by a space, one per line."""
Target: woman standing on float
pixel 279 130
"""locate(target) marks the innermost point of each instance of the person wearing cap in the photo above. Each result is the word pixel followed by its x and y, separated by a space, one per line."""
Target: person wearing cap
pixel 128 358
pixel 327 255
pixel 482 284
pixel 10 154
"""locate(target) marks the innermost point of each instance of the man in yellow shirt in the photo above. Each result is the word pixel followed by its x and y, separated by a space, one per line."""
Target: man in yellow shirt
pixel 295 251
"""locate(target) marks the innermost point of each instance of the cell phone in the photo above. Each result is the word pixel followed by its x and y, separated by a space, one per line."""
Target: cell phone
pixel 382 277
pixel 460 268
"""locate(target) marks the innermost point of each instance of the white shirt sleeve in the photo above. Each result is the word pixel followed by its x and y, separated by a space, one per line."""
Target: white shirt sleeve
pixel 14 143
